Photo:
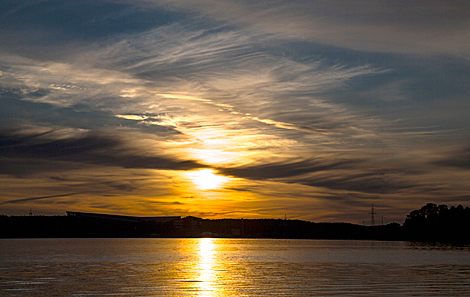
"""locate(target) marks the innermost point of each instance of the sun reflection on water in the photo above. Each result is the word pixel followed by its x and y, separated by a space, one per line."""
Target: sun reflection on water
pixel 206 267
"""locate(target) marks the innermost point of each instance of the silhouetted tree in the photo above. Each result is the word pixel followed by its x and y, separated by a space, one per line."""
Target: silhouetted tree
pixel 438 223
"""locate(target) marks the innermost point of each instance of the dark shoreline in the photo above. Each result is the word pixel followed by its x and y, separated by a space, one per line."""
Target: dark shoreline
pixel 191 227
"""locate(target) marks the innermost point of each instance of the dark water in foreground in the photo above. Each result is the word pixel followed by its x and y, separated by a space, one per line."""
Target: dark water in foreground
pixel 230 267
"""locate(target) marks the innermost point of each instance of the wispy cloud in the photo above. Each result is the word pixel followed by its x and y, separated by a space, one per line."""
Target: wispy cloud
pixel 37 198
pixel 386 26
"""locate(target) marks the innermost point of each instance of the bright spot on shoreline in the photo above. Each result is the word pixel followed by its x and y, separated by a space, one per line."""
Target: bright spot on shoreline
pixel 205 179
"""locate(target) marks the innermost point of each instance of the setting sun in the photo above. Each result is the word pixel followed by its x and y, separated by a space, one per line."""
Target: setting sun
pixel 206 179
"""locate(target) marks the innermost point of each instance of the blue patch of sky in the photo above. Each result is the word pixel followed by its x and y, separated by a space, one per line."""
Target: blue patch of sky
pixel 429 77
pixel 15 111
pixel 85 20
pixel 430 90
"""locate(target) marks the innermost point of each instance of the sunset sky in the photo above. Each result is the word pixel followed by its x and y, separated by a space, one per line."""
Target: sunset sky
pixel 313 110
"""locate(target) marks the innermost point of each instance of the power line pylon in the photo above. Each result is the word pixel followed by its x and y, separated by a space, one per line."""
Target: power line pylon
pixel 372 217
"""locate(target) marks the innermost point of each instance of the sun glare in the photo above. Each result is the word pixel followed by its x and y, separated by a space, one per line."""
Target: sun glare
pixel 205 179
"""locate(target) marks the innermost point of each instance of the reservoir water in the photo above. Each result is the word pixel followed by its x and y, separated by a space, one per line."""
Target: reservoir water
pixel 230 267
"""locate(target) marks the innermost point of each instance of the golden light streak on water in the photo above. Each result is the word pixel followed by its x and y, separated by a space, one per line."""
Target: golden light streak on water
pixel 206 268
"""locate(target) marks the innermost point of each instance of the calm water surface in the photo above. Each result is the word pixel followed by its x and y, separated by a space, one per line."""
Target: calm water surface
pixel 230 267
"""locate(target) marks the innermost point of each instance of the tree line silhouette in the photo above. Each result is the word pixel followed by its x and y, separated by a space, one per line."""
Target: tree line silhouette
pixel 438 223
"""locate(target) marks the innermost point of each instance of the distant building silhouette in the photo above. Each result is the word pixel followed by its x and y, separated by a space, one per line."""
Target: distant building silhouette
pixel 176 219
pixel 149 226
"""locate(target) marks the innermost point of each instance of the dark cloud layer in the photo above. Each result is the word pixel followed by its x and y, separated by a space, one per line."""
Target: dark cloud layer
pixel 458 159
pixel 92 148
pixel 350 175
pixel 368 182
pixel 287 169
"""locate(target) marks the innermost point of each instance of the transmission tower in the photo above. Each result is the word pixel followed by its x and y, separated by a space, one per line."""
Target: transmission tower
pixel 372 217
